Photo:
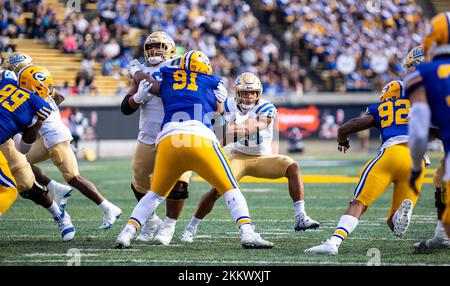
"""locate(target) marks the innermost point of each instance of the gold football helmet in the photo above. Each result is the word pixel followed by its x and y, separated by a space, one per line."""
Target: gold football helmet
pixel 437 41
pixel 414 57
pixel 196 61
pixel 158 47
pixel 37 79
pixel 247 82
pixel 16 61
pixel 391 91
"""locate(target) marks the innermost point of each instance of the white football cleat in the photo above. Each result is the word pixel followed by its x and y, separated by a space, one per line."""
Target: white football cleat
pixel 164 234
pixel 149 229
pixel 125 237
pixel 188 234
pixel 254 240
pixel 434 243
pixel 110 217
pixel 65 225
pixel 327 247
pixel 304 222
pixel 403 218
pixel 61 196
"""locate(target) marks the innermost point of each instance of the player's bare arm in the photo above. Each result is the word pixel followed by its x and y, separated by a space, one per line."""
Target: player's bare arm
pixel 352 126
pixel 59 97
pixel 249 126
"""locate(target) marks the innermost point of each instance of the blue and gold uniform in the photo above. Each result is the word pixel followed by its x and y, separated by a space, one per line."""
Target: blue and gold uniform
pixel 19 109
pixel 186 141
pixel 393 163
pixel 435 78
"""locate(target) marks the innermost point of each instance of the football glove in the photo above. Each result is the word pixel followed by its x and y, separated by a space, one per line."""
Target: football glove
pixel 344 146
pixel 133 67
pixel 221 92
pixel 143 94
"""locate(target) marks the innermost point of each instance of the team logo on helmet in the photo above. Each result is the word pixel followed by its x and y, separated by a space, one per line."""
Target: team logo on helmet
pixel 39 76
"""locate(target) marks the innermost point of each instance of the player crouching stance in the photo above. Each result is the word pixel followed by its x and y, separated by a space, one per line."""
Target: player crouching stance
pixel 392 164
pixel 191 96
pixel 428 88
pixel 24 109
pixel 253 117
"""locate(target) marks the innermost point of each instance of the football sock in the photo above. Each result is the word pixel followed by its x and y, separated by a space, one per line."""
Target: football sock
pixel 105 205
pixel 299 207
pixel 439 232
pixel 194 222
pixel 54 187
pixel 55 211
pixel 144 209
pixel 346 225
pixel 169 221
pixel 153 216
pixel 237 205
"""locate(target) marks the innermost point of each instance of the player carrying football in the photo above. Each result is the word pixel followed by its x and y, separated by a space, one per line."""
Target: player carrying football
pixel 251 120
pixel 159 51
pixel 428 88
pixel 191 96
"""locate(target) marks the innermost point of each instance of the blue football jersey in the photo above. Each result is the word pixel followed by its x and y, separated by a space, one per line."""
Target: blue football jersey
pixel 188 95
pixel 19 109
pixel 435 78
pixel 391 117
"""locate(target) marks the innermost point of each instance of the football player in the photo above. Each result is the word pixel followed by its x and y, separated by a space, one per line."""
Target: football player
pixel 54 144
pixel 428 88
pixel 251 119
pixel 15 62
pixel 391 165
pixel 440 239
pixel 191 96
pixel 24 109
pixel 159 51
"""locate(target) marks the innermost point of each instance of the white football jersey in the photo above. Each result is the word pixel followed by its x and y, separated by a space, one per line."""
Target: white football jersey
pixel 259 143
pixel 53 130
pixel 152 111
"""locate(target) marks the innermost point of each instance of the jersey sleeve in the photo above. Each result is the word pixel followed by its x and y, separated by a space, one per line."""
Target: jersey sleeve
pixel 41 107
pixel 372 110
pixel 412 82
pixel 267 110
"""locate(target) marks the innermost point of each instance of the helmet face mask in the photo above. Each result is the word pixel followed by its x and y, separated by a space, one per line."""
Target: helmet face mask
pixel 248 89
pixel 158 47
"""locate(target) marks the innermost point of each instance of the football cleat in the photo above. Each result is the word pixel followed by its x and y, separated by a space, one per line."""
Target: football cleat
pixel 431 244
pixel 327 247
pixel 403 218
pixel 61 196
pixel 110 217
pixel 149 229
pixel 65 225
pixel 164 234
pixel 125 237
pixel 254 240
pixel 304 222
pixel 188 234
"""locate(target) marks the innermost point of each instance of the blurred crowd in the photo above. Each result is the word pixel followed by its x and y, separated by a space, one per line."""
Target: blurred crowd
pixel 230 34
pixel 374 41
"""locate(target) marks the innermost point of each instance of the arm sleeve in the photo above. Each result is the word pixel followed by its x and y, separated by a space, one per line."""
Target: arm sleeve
pixel 125 106
pixel 418 128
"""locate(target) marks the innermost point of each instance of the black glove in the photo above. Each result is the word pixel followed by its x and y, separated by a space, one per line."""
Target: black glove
pixel 413 178
pixel 343 146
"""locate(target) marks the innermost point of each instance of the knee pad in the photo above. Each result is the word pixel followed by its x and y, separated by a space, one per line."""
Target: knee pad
pixel 179 191
pixel 37 194
pixel 439 201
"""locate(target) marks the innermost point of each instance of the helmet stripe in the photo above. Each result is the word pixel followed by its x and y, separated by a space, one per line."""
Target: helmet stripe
pixel 188 60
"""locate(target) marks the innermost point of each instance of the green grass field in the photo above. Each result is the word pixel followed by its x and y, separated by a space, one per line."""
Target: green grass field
pixel 28 236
